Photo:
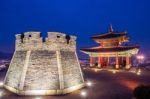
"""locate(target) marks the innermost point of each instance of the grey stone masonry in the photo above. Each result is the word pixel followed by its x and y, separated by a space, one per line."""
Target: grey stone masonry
pixel 54 41
pixel 49 67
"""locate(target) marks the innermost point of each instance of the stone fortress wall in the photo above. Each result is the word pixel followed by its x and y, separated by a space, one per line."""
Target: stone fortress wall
pixel 54 41
pixel 44 68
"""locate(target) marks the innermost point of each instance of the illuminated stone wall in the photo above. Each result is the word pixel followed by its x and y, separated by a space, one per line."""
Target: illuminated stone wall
pixel 42 65
pixel 16 67
pixel 48 67
pixel 72 75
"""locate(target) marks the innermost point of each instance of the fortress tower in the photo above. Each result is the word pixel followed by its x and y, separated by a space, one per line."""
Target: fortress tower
pixel 49 67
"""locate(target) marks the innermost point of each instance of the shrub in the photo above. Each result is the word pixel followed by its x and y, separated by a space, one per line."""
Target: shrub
pixel 142 92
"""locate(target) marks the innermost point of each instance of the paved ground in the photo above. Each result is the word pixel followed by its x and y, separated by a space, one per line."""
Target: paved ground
pixel 106 85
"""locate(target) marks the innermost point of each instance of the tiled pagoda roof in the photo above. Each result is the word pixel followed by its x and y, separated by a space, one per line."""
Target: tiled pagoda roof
pixel 109 49
pixel 109 35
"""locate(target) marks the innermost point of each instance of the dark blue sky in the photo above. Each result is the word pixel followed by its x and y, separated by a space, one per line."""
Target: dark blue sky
pixel 83 18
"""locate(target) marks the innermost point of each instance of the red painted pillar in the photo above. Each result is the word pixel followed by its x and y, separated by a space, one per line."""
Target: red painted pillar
pixel 122 60
pixel 92 61
pixel 108 61
pixel 128 62
pixel 99 61
pixel 117 61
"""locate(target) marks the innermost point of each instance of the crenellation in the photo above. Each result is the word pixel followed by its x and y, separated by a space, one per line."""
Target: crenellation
pixel 18 41
pixel 26 38
pixel 73 40
pixel 35 35
pixel 18 36
pixel 56 37
pixel 26 34
pixel 54 41
pixel 35 42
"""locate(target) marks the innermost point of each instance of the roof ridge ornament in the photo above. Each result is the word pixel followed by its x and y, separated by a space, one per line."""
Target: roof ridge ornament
pixel 110 29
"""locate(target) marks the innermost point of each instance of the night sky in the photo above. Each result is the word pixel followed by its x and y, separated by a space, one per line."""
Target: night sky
pixel 83 18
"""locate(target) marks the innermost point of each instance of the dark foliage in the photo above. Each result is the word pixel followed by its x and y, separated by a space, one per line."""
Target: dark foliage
pixel 142 92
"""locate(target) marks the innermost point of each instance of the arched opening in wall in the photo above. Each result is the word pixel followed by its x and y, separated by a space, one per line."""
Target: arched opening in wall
pixel 67 38
pixel 29 35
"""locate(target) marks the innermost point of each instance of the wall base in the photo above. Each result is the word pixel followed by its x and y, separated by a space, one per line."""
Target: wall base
pixel 44 92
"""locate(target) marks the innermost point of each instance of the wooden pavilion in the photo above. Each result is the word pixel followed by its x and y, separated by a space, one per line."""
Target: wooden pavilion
pixel 112 45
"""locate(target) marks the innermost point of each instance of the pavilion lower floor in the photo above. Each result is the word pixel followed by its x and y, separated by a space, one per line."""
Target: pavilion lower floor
pixel 115 62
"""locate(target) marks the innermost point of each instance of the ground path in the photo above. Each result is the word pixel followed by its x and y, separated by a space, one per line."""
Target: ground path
pixel 105 85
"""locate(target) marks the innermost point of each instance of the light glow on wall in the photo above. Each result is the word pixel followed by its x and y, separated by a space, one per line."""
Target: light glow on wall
pixel 1 84
pixel 1 93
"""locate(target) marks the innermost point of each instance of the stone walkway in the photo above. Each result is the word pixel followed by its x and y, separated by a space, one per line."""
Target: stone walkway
pixel 105 85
